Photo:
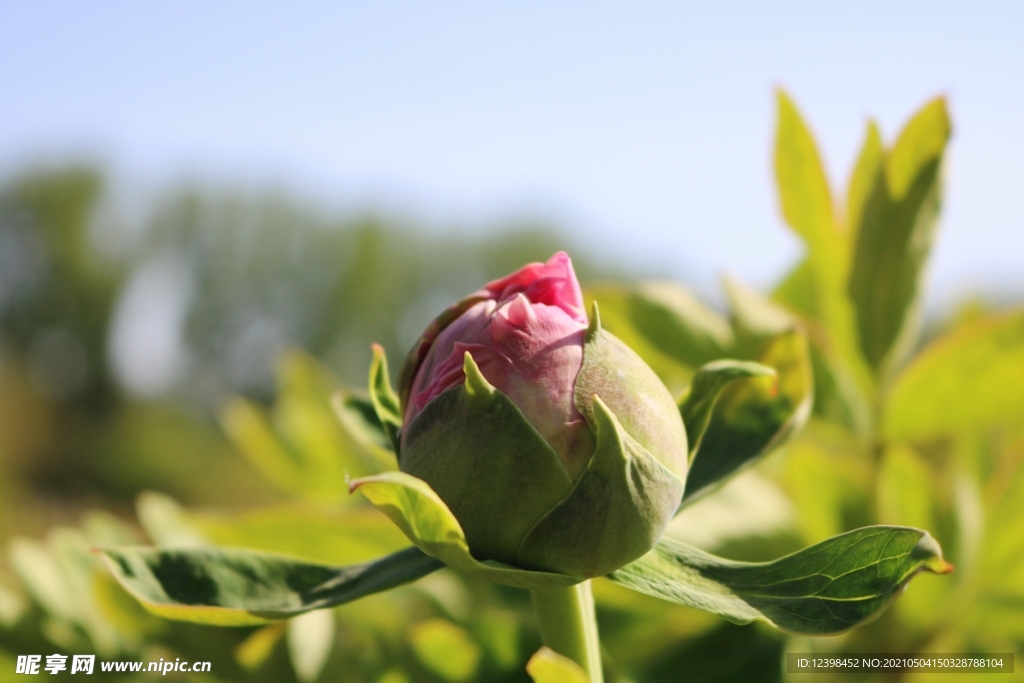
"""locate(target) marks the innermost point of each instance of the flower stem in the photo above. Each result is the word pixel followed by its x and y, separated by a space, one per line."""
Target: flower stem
pixel 568 625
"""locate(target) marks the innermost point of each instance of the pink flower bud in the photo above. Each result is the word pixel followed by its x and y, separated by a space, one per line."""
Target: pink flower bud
pixel 562 450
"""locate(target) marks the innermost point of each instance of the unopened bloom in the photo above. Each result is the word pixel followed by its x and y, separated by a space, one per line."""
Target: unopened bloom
pixel 555 446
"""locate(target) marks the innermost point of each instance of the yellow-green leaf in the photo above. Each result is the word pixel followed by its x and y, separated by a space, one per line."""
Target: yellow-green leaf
pixel 969 379
pixel 424 518
pixel 547 666
pixel 445 649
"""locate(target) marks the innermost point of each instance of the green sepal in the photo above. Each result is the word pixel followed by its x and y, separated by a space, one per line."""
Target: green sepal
pixel 617 510
pixel 696 404
pixel 383 397
pixel 492 468
pixel 237 587
pixel 630 389
pixel 827 588
pixel 425 519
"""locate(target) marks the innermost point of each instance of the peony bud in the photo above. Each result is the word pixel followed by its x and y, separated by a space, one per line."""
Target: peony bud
pixel 554 445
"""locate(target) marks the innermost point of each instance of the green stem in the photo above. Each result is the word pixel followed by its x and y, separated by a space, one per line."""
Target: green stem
pixel 568 625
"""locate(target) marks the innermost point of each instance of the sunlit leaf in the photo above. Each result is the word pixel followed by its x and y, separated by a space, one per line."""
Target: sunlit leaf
pixel 547 666
pixel 166 522
pixel 905 489
pixel 300 444
pixel 894 236
pixel 234 587
pixel 865 173
pixel 310 639
pixel 803 188
pixel 424 518
pixel 827 588
pixel 445 649
pixel 668 316
pixel 969 379
pixel 347 535
pixel 257 648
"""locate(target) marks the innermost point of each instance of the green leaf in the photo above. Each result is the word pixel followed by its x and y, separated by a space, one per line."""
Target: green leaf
pixel 425 519
pixel 696 404
pixel 234 587
pixel 310 639
pixel 894 236
pixel 383 397
pixel 299 444
pixel 807 206
pixel 865 173
pixel 667 316
pixel 827 588
pixel 754 415
pixel 547 666
pixel 969 379
pixel 445 649
pixel 257 648
pixel 803 188
pixel 341 536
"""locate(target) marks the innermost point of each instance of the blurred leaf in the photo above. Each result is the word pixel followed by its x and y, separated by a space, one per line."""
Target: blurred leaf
pixel 754 415
pixel 257 648
pixel 905 488
pixel 894 236
pixel 498 633
pixel 865 173
pixel 424 518
pixel 829 480
pixel 798 290
pixel 233 587
pixel 803 188
pixel 12 607
pixel 754 316
pixel 165 522
pixel 728 654
pixel 310 639
pixel 818 285
pixel 708 383
pixel 827 588
pixel 750 515
pixel 445 649
pixel 664 323
pixel 393 676
pixel 971 378
pixel 547 666
pixel 333 536
pixel 43 578
pixel 300 444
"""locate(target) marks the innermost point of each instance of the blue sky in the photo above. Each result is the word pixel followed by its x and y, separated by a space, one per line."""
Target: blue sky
pixel 646 126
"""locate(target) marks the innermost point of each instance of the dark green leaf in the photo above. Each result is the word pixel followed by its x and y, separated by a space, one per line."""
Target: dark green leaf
pixel 753 415
pixel 235 587
pixel 696 404
pixel 894 238
pixel 827 588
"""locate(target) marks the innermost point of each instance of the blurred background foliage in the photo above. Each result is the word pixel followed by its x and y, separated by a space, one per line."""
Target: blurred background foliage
pixel 195 352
